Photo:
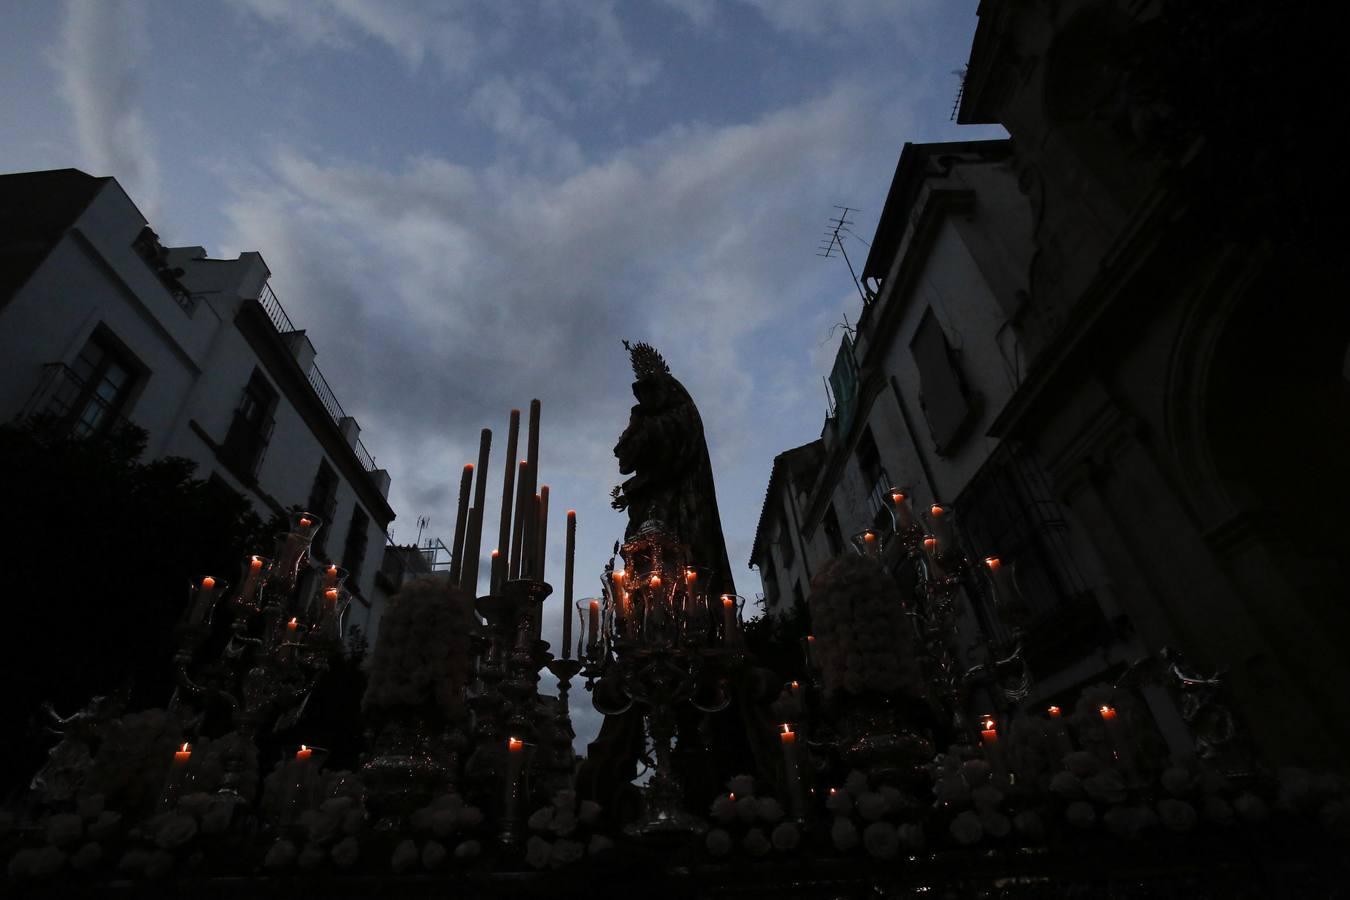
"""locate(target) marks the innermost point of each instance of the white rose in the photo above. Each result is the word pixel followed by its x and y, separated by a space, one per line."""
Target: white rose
pixel 742 786
pixel 539 820
pixel 106 826
pixel 911 836
pixel 1217 810
pixel 895 800
pixel 856 783
pixel 468 850
pixel 1177 815
pixel 871 806
pixel 1066 785
pixel 966 828
pixel 975 771
pixel 158 864
pixel 1080 814
pixel 786 836
pixel 564 823
pixel 47 861
pixel 588 812
pixel 770 810
pixel 755 842
pixel 64 829
pixel 599 844
pixel 345 852
pixel 718 842
pixel 311 857
pixel 839 802
pixel 994 823
pixel 443 822
pixel 844 834
pixel 1105 787
pixel 90 806
pixel 280 855
pixel 433 854
pixel 1082 763
pixel 566 852
pixel 565 801
pixel 1176 781
pixel 986 796
pixel 175 830
pixel 881 840
pixel 724 809
pixel 538 852
pixel 470 817
pixel 86 857
pixel 217 816
pixel 1030 825
pixel 1251 808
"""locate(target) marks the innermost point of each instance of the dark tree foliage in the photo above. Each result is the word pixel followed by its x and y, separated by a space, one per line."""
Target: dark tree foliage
pixel 776 643
pixel 98 557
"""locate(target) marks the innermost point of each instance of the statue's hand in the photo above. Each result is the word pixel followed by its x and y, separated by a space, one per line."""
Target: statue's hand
pixel 617 499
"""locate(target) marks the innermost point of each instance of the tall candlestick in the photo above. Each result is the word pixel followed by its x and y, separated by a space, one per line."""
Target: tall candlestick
pixel 904 518
pixel 251 576
pixel 569 566
pixel 728 618
pixel 542 554
pixel 178 770
pixel 992 751
pixel 792 776
pixel 1062 741
pixel 941 518
pixel 461 521
pixel 530 540
pixel 508 490
pixel 870 542
pixel 473 541
pixel 494 573
pixel 1115 735
pixel 593 628
pixel 512 790
pixel 518 526
pixel 932 546
pixel 532 445
pixel 202 601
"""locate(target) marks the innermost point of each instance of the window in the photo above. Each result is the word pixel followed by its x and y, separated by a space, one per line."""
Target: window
pixel 833 535
pixel 100 383
pixel 942 392
pixel 875 477
pixel 354 551
pixel 323 503
pixel 251 427
pixel 770 586
pixel 786 545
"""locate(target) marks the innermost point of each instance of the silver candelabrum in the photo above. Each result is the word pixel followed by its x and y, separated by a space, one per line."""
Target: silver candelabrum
pixel 283 622
pixel 658 639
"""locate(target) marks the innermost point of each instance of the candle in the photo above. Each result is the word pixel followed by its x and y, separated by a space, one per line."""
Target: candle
pixel 177 775
pixel 255 565
pixel 473 538
pixel 183 755
pixel 515 745
pixel 542 551
pixel 809 651
pixel 523 501
pixel 728 618
pixel 508 490
pixel 494 576
pixel 461 523
pixel 1108 714
pixel 791 776
pixel 593 628
pixel 1115 734
pixel 870 543
pixel 932 546
pixel 303 754
pixel 569 566
pixel 291 627
pixel 941 518
pixel 304 522
pixel 1054 712
pixel 904 519
pixel 992 751
pixel 654 581
pixel 202 602
pixel 1062 742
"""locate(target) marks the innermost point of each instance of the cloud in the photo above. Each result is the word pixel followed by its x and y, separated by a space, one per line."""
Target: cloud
pixel 100 58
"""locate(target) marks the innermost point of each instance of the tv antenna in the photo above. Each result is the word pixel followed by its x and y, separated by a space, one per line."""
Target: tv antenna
pixel 423 522
pixel 960 90
pixel 833 241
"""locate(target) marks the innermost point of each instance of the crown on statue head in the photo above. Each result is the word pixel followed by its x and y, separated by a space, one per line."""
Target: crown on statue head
pixel 647 360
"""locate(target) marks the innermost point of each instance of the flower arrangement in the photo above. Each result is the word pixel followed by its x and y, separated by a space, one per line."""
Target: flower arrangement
pixel 564 832
pixel 880 818
pixel 863 641
pixel 422 658
pixel 755 825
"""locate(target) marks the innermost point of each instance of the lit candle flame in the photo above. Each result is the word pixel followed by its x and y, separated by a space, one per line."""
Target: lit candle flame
pixel 937 510
pixel 185 747
pixel 655 581
pixel 993 562
pixel 331 594
pixel 1054 710
pixel 208 582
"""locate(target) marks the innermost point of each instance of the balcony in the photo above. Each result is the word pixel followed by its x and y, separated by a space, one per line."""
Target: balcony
pixel 63 396
pixel 282 323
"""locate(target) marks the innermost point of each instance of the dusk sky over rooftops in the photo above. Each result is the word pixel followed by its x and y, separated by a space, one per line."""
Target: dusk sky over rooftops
pixel 469 205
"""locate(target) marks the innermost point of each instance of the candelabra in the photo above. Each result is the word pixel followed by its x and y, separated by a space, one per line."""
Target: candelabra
pixel 282 628
pixel 658 640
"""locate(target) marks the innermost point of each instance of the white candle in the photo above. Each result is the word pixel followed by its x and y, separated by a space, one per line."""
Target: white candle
pixel 728 618
pixel 593 629
pixel 569 563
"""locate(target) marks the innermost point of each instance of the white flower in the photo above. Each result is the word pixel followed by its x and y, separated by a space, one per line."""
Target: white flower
pixel 1082 763
pixel 194 804
pixel 345 853
pixel 336 806
pixel 975 771
pixel 1217 810
pixel 742 786
pixel 588 812
pixel 770 810
pixel 470 817
pixel 133 861
pixel 175 830
pixel 47 861
pixel 539 820
pixel 323 827
pixel 1066 785
pixel 90 806
pixel 433 854
pixel 217 816
pixel 1177 815
pixel 537 852
pixel 1123 821
pixel 871 806
pixel 565 801
pixel 86 857
pixel 280 855
pixel 468 850
pixel 966 828
pixel 443 822
pixel 1080 814
pixel 1251 808
pixel 786 836
pixel 353 821
pixel 405 857
pixel 564 823
pixel 311 857
pixel 718 842
pixel 994 823
pixel 747 808
pixel 21 863
pixel 1176 781
pixel 911 836
pixel 724 809
pixel 566 852
pixel 1105 787
pixel 755 843
pixel 895 800
pixel 881 840
pixel 106 826
pixel 856 783
pixel 599 844
pixel 844 834
pixel 986 796
pixel 839 802
pixel 64 829
pixel 158 864
pixel 1212 782
pixel 1030 825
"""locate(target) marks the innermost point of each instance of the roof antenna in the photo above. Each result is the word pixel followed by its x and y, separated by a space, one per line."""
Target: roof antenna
pixel 422 523
pixel 833 242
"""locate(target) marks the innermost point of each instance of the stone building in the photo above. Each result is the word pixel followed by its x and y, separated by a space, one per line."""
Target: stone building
pixel 100 323
pixel 1135 383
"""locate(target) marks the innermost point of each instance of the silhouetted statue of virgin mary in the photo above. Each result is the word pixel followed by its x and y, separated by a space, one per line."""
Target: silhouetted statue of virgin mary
pixel 671 482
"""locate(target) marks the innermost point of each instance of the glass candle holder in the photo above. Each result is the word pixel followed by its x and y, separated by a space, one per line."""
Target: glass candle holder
pixel 202 597
pixel 589 633
pixel 902 512
pixel 940 521
pixel 697 583
pixel 730 630
pixel 868 543
pixel 1008 600
pixel 252 572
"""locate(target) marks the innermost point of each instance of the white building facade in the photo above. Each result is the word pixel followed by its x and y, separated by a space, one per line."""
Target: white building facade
pixel 100 323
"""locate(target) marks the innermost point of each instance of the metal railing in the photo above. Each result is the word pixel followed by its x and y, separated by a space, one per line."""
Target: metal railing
pixel 64 396
pixel 282 323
